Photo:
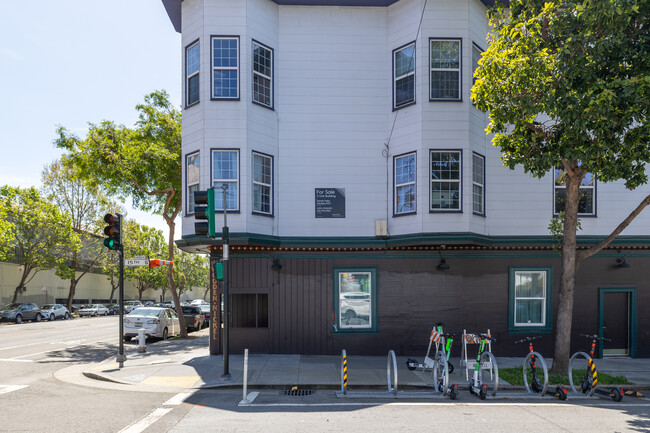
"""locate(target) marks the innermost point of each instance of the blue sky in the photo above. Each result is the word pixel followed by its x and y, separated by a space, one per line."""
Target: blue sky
pixel 70 62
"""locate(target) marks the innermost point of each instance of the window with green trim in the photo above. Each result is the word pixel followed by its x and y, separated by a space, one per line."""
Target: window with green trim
pixel 530 299
pixel 355 303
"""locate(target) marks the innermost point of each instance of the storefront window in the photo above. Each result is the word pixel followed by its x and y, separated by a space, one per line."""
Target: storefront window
pixel 355 299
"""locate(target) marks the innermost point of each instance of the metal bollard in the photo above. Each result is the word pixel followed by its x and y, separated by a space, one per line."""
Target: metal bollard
pixel 141 339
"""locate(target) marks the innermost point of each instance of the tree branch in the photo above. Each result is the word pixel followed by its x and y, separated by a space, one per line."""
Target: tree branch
pixel 582 255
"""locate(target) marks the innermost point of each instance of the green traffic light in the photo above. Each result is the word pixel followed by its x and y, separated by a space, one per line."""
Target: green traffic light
pixel 110 244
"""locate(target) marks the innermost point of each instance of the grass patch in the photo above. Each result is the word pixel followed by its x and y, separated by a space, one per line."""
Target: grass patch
pixel 514 376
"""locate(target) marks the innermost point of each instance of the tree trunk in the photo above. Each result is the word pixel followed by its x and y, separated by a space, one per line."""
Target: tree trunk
pixel 568 276
pixel 170 278
pixel 113 289
pixel 23 278
pixel 71 292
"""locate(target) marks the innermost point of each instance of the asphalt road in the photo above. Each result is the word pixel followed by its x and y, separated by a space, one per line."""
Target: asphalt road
pixel 33 398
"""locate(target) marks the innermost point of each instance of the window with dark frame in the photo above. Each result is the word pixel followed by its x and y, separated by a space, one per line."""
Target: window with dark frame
pixel 404 76
pixel 530 299
pixel 445 65
pixel 355 290
pixel 586 192
pixel 262 75
pixel 262 183
pixel 192 57
pixel 478 184
pixel 446 175
pixel 225 67
pixel 405 184
pixel 225 171
pixel 192 168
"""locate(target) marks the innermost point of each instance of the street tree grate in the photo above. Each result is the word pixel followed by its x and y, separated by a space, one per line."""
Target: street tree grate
pixel 296 392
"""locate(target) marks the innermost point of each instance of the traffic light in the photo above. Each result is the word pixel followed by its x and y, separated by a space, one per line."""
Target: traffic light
pixel 113 231
pixel 204 210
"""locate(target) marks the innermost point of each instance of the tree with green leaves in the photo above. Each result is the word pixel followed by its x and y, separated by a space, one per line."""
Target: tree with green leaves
pixel 566 85
pixel 191 270
pixel 41 235
pixel 143 162
pixel 148 242
pixel 86 205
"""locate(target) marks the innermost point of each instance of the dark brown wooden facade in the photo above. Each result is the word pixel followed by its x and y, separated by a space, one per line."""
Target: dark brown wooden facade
pixel 290 310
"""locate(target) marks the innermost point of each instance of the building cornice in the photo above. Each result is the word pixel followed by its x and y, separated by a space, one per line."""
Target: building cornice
pixel 173 7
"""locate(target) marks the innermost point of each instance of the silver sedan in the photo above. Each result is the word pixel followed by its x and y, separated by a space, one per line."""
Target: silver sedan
pixel 158 322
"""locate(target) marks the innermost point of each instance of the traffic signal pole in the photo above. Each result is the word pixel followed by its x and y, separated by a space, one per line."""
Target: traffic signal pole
pixel 226 300
pixel 120 357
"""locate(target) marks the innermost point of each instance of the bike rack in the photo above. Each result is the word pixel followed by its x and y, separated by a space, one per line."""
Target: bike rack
pixel 529 393
pixel 391 382
pixel 573 388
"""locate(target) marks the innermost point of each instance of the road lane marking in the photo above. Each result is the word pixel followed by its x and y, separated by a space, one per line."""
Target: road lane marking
pixel 143 423
pixel 4 389
pixel 28 344
pixel 62 348
pixel 16 360
pixel 178 399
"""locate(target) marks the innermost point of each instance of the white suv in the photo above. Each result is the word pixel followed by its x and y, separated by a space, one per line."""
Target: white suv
pixel 131 305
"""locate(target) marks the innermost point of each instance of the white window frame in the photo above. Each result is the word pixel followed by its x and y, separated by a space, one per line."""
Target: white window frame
pixel 189 75
pixel 258 74
pixel 218 182
pixel 433 70
pixel 440 180
pixel 192 181
pixel 398 78
pixel 543 298
pixel 398 186
pixel 263 185
pixel 224 68
pixel 478 183
pixel 583 187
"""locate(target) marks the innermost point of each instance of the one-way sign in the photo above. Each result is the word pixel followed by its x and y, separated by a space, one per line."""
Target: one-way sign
pixel 136 262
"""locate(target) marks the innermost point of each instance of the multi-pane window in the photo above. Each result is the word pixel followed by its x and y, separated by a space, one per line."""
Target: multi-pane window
pixel 192 74
pixel 262 182
pixel 225 67
pixel 478 184
pixel 405 184
pixel 476 56
pixel 445 69
pixel 262 75
pixel 586 193
pixel 356 299
pixel 530 298
pixel 445 180
pixel 192 171
pixel 225 171
pixel 404 76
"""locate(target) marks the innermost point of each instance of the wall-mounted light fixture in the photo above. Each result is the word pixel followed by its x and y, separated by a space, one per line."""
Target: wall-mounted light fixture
pixel 621 263
pixel 276 266
pixel 443 266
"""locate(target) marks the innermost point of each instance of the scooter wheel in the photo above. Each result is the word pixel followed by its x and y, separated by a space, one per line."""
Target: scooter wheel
pixel 453 392
pixel 561 393
pixel 483 393
pixel 450 366
pixel 617 394
pixel 411 363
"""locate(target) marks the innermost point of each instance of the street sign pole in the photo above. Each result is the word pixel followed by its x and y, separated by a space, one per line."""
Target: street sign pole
pixel 120 357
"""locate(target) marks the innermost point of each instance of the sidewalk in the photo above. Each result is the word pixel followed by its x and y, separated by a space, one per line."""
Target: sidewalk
pixel 187 364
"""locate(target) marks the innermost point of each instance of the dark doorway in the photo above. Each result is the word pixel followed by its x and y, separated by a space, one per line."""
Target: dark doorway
pixel 617 321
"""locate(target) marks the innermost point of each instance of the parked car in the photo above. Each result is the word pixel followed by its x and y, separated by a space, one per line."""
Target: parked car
pixel 93 310
pixel 55 311
pixel 131 305
pixel 207 312
pixel 19 312
pixel 149 304
pixel 113 309
pixel 194 318
pixel 157 322
pixel 198 302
